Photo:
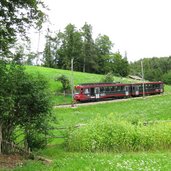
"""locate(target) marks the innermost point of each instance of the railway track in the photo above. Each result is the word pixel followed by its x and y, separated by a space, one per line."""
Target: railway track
pixel 100 102
pixel 89 103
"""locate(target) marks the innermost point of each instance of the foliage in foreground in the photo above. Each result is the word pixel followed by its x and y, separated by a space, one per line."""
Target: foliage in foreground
pixel 24 104
pixel 16 18
pixel 111 134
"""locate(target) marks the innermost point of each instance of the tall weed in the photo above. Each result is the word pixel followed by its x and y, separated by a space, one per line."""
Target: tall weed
pixel 111 134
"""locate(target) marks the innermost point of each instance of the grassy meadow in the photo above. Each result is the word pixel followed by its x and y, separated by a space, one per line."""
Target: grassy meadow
pixel 155 109
pixel 50 74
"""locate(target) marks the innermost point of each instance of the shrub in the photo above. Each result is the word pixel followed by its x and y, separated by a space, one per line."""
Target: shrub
pixel 24 102
pixel 109 134
pixel 65 83
pixel 108 78
pixel 166 78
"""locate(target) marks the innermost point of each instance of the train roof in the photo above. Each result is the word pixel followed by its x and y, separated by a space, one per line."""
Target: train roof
pixel 87 85
pixel 99 84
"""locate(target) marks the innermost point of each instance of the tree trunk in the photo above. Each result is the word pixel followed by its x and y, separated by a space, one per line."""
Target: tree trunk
pixel 6 141
pixel 84 65
pixel 0 138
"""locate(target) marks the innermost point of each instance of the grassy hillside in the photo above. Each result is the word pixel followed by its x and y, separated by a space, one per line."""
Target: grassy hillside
pixel 149 109
pixel 153 108
pixel 79 77
pixel 50 74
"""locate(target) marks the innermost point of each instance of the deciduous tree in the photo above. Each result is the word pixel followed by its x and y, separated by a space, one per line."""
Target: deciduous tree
pixel 24 103
pixel 16 17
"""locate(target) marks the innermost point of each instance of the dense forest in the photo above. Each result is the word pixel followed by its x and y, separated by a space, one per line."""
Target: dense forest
pixel 96 56
pixel 92 55
pixel 155 69
pixel 89 55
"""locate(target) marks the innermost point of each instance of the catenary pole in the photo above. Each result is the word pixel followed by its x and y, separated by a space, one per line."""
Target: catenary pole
pixel 72 81
pixel 142 73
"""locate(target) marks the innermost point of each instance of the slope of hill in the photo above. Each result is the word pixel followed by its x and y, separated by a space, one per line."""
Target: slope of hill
pixel 155 109
pixel 55 87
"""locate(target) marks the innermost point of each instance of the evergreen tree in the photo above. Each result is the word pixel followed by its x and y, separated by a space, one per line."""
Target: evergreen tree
pixel 47 54
pixel 89 52
pixel 103 50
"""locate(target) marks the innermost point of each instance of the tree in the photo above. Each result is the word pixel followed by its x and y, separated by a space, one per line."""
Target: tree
pixel 19 55
pixel 108 78
pixel 118 65
pixel 24 103
pixel 30 57
pixel 65 83
pixel 89 51
pixel 103 48
pixel 154 68
pixel 16 17
pixel 71 45
pixel 166 78
pixel 48 53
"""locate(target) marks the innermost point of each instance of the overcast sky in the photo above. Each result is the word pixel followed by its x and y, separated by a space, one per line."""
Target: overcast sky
pixel 140 27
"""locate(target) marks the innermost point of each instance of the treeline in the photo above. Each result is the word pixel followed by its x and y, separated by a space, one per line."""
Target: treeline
pixel 89 55
pixel 155 69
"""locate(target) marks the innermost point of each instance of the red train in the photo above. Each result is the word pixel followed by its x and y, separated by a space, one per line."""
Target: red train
pixel 97 91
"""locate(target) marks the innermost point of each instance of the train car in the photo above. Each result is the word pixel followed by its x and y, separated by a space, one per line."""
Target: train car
pixel 150 88
pixel 97 91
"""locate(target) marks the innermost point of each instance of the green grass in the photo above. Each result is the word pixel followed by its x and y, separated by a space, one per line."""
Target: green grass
pixel 79 77
pixel 149 109
pixel 65 161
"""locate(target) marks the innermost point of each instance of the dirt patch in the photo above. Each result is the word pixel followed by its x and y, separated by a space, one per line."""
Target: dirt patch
pixel 11 161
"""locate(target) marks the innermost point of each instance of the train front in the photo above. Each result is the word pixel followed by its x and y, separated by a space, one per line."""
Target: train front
pixel 79 94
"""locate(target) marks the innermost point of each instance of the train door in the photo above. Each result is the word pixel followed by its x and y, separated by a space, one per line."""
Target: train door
pixel 127 90
pixel 97 92
pixel 137 90
pixel 92 93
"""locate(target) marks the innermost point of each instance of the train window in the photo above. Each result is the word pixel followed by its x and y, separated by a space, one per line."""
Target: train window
pixel 112 89
pixel 122 88
pixel 86 91
pixel 126 88
pixel 77 91
pixel 108 89
pixel 118 88
pixel 137 88
pixel 102 89
pixel 97 90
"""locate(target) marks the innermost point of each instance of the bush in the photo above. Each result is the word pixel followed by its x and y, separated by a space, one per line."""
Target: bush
pixel 108 78
pixel 109 134
pixel 65 83
pixel 24 102
pixel 166 78
pixel 36 140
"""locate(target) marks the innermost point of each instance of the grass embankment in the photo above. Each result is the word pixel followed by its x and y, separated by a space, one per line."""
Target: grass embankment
pixel 133 110
pixel 154 108
pixel 115 135
pixel 55 87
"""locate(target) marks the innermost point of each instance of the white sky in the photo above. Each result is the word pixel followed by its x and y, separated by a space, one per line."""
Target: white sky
pixel 140 27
